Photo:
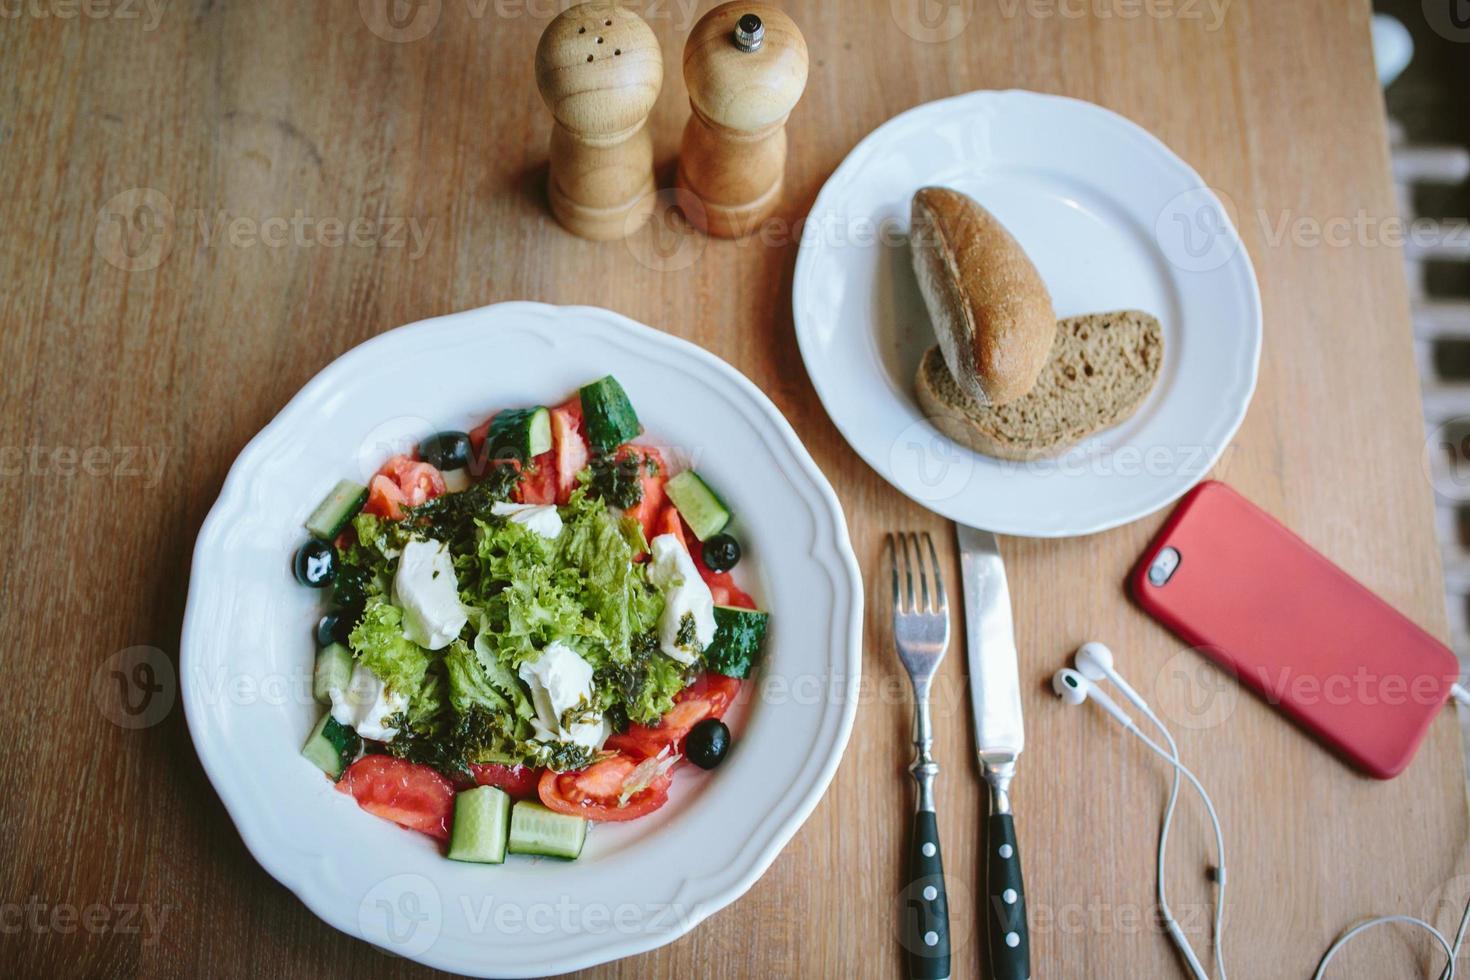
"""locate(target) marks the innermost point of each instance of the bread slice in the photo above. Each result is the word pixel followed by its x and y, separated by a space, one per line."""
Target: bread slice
pixel 990 309
pixel 1102 367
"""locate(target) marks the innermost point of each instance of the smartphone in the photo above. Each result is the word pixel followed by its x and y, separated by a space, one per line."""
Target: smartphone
pixel 1231 581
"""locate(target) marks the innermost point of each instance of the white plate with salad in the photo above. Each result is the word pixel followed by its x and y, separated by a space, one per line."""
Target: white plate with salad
pixel 522 639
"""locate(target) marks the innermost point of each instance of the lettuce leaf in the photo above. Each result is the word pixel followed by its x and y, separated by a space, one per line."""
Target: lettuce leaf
pixel 468 685
pixel 502 679
pixel 527 597
pixel 598 549
pixel 458 717
pixel 379 540
pixel 427 705
pixel 585 589
pixel 378 641
pixel 641 690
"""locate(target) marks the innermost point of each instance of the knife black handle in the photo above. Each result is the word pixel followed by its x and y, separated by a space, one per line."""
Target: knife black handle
pixel 1005 919
pixel 926 911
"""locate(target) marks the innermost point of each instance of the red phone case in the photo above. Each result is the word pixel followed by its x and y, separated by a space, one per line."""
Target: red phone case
pixel 1297 630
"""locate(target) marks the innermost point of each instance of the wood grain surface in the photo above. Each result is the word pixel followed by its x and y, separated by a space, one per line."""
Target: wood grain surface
pixel 240 141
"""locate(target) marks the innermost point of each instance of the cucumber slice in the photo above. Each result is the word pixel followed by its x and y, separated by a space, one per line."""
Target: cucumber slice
pixel 481 821
pixel 333 670
pixel 537 830
pixel 519 433
pixel 339 507
pixel 739 636
pixel 701 508
pixel 331 746
pixel 608 415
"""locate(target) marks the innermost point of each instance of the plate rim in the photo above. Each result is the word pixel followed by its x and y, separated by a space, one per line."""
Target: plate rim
pixel 829 521
pixel 981 100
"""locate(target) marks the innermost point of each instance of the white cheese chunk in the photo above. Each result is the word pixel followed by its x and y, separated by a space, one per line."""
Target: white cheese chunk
pixel 456 481
pixel 425 589
pixel 366 704
pixel 672 572
pixel 559 681
pixel 541 518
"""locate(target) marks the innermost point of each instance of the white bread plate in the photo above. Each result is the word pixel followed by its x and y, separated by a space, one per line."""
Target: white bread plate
pixel 1113 220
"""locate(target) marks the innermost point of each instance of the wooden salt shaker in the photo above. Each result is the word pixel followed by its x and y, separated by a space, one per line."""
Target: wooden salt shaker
pixel 599 69
pixel 745 65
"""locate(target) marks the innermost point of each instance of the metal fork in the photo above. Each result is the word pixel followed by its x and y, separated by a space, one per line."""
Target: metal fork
pixel 921 635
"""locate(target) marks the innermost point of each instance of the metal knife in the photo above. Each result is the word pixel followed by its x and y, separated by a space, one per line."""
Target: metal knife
pixel 995 698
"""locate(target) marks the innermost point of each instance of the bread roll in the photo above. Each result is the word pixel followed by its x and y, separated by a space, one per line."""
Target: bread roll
pixel 990 309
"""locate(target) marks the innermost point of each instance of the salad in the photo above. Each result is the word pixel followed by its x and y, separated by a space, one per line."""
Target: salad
pixel 531 627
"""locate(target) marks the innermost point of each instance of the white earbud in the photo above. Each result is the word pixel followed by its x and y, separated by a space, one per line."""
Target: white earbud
pixel 1095 661
pixel 1074 688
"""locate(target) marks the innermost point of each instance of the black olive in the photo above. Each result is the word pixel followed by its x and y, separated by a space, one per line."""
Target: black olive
pixel 707 743
pixel 316 564
pixel 346 620
pixel 326 629
pixel 446 450
pixel 335 627
pixel 721 553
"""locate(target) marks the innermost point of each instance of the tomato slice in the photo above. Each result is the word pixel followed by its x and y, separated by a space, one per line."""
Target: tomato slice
pixel 420 482
pixel 478 463
pixel 409 794
pixel 479 433
pixel 669 522
pixel 519 781
pixel 731 594
pixel 403 482
pixel 569 445
pixel 385 499
pixel 708 697
pixel 593 792
pixel 573 407
pixel 653 473
pixel 722 585
pixel 538 482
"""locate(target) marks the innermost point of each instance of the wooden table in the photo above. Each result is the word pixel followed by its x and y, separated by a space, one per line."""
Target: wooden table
pixel 266 128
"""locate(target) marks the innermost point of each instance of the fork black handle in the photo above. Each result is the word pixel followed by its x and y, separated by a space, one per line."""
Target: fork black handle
pixel 1005 914
pixel 926 911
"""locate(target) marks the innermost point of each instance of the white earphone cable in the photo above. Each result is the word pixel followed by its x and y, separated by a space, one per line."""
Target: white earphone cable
pixel 1220 876
pixel 1168 913
pixel 1451 952
pixel 1171 756
pixel 1170 922
pixel 1451 949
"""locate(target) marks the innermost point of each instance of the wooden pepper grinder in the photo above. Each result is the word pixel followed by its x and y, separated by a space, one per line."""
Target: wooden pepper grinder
pixel 599 69
pixel 745 65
